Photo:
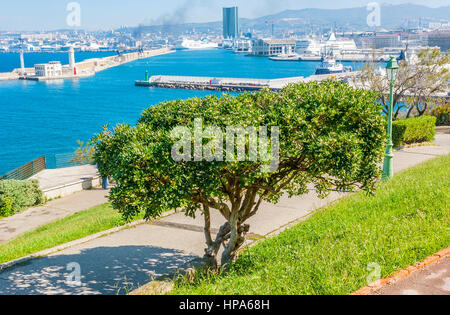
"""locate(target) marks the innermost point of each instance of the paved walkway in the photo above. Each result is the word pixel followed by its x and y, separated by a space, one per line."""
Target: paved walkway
pixel 51 178
pixel 432 280
pixel 120 262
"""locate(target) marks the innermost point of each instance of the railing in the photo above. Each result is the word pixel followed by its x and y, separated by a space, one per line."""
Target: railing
pixel 52 161
pixel 64 160
pixel 27 170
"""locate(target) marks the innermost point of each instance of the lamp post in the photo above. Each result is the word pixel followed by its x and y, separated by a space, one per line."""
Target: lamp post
pixel 392 71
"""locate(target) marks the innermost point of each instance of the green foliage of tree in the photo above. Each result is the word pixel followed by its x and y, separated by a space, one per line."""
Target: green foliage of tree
pixel 84 154
pixel 331 137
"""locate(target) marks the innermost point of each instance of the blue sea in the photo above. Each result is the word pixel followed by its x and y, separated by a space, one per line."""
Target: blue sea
pixel 47 118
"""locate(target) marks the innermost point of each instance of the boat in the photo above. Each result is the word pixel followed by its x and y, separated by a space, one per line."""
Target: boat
pixel 294 57
pixel 196 44
pixel 329 65
pixel 310 58
pixel 286 55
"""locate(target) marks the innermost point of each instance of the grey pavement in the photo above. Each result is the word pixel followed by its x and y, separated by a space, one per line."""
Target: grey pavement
pixel 432 280
pixel 50 178
pixel 120 262
pixel 32 218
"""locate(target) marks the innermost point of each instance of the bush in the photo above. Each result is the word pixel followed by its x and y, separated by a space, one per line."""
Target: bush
pixel 414 130
pixel 442 114
pixel 17 195
pixel 5 206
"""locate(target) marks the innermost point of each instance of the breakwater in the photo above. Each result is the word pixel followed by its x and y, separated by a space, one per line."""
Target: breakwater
pixel 233 84
pixel 86 68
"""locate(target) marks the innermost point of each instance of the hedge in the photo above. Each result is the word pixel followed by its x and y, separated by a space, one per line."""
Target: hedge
pixel 414 130
pixel 442 113
pixel 17 195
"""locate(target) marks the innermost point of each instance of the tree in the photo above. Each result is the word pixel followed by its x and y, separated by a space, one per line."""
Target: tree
pixel 431 78
pixel 417 82
pixel 325 134
pixel 84 154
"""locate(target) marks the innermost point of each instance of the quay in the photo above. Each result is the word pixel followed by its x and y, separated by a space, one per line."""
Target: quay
pixel 84 68
pixel 233 84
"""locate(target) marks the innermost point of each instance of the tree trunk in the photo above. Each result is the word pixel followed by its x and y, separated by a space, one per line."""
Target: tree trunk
pixel 213 246
pixel 411 108
pixel 232 234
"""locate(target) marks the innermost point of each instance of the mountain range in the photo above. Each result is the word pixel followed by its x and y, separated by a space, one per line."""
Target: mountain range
pixel 392 16
pixel 402 16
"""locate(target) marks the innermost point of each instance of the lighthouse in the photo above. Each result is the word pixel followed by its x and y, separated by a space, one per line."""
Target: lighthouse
pixel 22 63
pixel 72 60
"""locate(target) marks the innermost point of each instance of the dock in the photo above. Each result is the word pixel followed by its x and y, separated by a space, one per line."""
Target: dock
pixel 232 84
pixel 85 68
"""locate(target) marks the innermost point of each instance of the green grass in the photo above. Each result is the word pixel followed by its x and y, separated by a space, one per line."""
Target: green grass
pixel 403 223
pixel 79 225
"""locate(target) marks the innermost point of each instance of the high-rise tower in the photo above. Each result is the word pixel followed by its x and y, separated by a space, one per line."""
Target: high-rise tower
pixel 230 22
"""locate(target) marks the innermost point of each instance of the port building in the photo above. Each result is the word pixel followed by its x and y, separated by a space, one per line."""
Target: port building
pixel 273 47
pixel 49 70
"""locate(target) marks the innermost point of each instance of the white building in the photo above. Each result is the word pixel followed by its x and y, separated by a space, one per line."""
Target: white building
pixel 243 46
pixel 51 69
pixel 274 47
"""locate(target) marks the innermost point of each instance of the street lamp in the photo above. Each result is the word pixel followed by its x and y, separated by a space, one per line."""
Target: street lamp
pixel 392 71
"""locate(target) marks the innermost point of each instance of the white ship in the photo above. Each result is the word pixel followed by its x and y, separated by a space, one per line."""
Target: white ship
pixel 196 44
pixel 293 57
pixel 329 65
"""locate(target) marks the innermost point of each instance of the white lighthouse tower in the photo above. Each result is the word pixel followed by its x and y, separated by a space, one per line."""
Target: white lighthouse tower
pixel 72 59
pixel 22 63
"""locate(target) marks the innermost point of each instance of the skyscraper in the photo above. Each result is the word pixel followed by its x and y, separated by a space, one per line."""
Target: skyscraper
pixel 230 22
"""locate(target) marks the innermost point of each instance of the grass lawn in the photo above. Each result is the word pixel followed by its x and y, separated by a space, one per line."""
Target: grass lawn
pixel 403 223
pixel 79 225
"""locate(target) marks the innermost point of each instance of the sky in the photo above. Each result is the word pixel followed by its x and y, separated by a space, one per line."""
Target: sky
pixel 24 15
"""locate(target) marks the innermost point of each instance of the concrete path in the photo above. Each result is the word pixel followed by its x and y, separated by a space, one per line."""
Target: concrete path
pixel 432 280
pixel 32 218
pixel 50 178
pixel 120 262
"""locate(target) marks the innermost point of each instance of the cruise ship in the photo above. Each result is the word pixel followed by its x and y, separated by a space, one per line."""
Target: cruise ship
pixel 196 44
pixel 329 65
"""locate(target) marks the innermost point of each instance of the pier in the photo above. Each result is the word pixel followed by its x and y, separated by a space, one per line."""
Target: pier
pixel 232 84
pixel 84 68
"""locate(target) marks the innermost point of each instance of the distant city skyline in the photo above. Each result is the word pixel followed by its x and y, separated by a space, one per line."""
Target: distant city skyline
pixel 31 15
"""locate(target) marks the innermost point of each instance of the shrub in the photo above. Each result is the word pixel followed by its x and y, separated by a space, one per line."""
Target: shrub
pixel 5 206
pixel 16 195
pixel 442 114
pixel 413 130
